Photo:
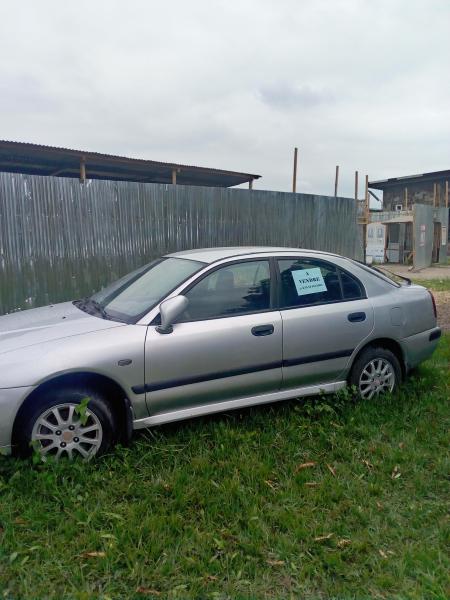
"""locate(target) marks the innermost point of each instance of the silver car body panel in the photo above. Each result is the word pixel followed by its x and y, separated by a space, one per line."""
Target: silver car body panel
pixel 216 360
pixel 209 366
pixel 318 341
pixel 10 402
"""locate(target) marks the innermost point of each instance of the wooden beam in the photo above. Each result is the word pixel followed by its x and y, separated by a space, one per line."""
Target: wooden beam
pixel 372 193
pixel 366 198
pixel 250 184
pixel 174 177
pixel 356 185
pixel 336 181
pixel 82 170
pixel 406 198
pixel 434 193
pixel 294 174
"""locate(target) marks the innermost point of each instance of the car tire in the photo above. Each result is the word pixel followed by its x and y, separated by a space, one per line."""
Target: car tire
pixel 376 370
pixel 52 418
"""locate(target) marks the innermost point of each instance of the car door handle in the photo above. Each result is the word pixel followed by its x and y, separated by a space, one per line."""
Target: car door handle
pixel 262 330
pixel 357 317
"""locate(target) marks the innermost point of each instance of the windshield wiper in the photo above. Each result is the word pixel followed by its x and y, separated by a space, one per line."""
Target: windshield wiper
pixel 88 303
pixel 100 308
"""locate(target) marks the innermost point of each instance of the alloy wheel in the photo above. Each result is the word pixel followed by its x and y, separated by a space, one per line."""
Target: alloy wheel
pixel 60 431
pixel 377 376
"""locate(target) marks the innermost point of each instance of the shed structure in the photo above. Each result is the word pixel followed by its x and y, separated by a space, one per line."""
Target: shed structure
pixel 416 216
pixel 35 159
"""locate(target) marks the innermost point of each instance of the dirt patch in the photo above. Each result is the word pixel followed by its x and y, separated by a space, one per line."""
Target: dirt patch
pixel 443 309
pixel 439 272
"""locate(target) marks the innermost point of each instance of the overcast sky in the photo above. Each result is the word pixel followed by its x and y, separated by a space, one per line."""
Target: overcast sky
pixel 235 84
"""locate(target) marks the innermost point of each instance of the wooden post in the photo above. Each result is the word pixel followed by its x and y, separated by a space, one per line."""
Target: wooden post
pixel 336 181
pixel 356 185
pixel 82 170
pixel 174 177
pixel 294 175
pixel 446 194
pixel 367 207
pixel 366 216
pixel 406 198
pixel 434 194
pixel 250 184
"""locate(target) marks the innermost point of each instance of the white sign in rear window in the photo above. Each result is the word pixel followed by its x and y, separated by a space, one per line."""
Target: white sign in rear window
pixel 308 281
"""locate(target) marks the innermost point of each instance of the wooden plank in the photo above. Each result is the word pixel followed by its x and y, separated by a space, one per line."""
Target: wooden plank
pixel 294 175
pixel 82 170
pixel 336 181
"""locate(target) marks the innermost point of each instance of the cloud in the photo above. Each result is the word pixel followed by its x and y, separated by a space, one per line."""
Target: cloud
pixel 283 95
pixel 233 85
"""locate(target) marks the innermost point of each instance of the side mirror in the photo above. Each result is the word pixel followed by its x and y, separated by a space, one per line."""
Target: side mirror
pixel 169 310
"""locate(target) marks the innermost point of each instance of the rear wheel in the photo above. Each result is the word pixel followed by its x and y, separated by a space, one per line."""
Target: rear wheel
pixel 66 423
pixel 376 371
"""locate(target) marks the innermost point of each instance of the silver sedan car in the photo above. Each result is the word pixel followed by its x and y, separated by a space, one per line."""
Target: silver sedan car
pixel 203 331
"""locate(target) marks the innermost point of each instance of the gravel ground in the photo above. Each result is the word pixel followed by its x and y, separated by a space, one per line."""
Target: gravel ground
pixel 443 309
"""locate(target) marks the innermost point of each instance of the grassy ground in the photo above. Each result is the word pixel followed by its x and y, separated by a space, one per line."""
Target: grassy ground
pixel 313 499
pixel 438 285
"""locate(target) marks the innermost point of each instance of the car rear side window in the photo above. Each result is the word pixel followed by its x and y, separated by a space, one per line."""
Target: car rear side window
pixel 307 281
pixel 233 289
pixel 351 287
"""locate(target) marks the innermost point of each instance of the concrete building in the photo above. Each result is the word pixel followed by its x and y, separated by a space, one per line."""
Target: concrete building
pixel 416 216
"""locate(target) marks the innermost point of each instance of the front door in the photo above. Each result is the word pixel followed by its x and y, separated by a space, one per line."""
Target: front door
pixel 226 345
pixel 436 242
pixel 325 316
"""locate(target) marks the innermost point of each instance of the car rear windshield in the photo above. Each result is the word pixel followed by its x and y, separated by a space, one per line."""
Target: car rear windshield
pixel 132 296
pixel 384 274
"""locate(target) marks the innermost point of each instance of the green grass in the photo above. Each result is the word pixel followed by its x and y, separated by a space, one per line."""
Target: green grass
pixel 437 285
pixel 220 507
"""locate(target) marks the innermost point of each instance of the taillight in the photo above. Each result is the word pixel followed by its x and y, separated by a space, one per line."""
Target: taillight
pixel 434 304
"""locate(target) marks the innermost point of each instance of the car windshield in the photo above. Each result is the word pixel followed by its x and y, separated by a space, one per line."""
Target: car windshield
pixel 129 298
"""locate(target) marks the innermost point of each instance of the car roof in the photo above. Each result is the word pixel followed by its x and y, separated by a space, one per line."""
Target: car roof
pixel 209 255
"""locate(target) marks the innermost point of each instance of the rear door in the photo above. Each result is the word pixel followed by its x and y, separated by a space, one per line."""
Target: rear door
pixel 226 345
pixel 325 315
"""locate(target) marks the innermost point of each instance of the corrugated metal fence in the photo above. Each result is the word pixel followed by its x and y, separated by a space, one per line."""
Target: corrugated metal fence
pixel 60 239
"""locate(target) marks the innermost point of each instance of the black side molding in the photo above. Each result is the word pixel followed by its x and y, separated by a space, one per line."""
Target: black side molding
pixel 302 360
pixel 154 387
pixel 435 335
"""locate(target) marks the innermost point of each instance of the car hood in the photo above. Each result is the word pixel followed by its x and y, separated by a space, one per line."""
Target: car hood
pixel 39 325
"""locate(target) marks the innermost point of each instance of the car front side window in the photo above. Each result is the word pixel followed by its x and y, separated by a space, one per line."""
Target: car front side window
pixel 233 289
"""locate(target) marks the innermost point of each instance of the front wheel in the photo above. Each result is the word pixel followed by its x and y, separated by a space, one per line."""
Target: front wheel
pixel 66 422
pixel 376 371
